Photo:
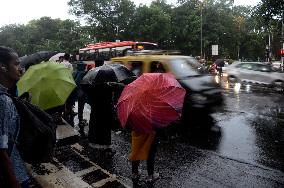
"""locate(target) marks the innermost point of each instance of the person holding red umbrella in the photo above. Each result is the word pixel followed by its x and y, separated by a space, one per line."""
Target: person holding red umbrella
pixel 151 102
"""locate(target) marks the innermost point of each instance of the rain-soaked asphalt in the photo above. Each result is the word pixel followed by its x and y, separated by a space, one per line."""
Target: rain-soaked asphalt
pixel 246 148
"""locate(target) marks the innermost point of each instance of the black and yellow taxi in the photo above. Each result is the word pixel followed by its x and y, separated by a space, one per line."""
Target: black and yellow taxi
pixel 203 93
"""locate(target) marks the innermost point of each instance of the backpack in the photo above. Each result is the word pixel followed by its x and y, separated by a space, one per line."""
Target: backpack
pixel 37 134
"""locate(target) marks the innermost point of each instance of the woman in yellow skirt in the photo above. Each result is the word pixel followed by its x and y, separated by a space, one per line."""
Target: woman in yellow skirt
pixel 143 147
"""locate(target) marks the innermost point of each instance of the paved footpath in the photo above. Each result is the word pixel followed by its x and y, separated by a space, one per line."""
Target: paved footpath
pixel 71 169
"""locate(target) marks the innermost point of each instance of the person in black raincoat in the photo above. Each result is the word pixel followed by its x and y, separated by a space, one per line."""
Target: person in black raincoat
pixel 100 98
pixel 220 63
pixel 102 116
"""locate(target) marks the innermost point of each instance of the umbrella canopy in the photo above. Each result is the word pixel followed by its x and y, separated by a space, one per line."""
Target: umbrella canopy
pixel 56 56
pixel 35 58
pixel 220 62
pixel 107 73
pixel 49 83
pixel 154 100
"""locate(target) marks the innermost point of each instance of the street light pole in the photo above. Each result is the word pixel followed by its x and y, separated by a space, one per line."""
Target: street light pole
pixel 201 34
pixel 117 32
pixel 116 26
pixel 282 34
pixel 269 44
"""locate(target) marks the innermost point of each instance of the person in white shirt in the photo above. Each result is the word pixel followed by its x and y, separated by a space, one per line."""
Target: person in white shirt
pixel 66 62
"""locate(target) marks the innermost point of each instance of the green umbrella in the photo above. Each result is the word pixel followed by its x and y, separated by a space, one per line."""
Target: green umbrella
pixel 49 83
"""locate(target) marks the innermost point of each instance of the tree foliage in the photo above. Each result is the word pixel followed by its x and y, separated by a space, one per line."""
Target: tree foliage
pixel 105 16
pixel 44 34
pixel 240 31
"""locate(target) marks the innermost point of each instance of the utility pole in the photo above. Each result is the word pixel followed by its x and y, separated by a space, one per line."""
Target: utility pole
pixel 238 52
pixel 240 21
pixel 201 34
pixel 117 32
pixel 282 34
pixel 269 48
pixel 116 27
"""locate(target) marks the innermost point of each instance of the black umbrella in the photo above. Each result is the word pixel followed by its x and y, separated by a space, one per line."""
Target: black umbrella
pixel 220 62
pixel 108 73
pixel 36 58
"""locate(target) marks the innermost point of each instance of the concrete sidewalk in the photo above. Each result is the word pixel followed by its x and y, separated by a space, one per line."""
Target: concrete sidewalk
pixel 70 169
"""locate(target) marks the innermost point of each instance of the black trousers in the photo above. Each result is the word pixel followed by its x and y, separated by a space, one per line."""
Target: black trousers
pixel 150 161
pixel 100 126
pixel 81 103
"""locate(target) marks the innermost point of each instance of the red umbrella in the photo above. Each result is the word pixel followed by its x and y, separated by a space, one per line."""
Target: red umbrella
pixel 154 100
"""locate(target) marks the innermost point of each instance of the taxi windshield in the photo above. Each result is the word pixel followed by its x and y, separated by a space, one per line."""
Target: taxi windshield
pixel 183 68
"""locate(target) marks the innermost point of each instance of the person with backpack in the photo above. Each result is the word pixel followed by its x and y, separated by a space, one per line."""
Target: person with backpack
pixel 13 172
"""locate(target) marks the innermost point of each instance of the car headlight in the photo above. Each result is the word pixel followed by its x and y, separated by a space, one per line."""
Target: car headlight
pixel 217 79
pixel 198 97
pixel 225 74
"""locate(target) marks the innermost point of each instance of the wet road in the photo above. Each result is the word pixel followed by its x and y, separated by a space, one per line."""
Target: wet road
pixel 252 125
pixel 248 151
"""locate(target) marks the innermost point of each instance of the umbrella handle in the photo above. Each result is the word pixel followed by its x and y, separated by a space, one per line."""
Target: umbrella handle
pixel 26 96
pixel 115 84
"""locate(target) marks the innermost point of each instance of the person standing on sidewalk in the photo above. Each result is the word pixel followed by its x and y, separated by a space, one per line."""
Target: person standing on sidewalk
pixel 81 96
pixel 143 147
pixel 13 172
pixel 66 62
pixel 69 113
pixel 102 117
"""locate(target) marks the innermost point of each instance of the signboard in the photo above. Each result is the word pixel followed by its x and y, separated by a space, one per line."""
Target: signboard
pixel 215 50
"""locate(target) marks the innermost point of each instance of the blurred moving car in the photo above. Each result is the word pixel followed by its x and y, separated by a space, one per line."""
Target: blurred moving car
pixel 255 72
pixel 276 65
pixel 203 93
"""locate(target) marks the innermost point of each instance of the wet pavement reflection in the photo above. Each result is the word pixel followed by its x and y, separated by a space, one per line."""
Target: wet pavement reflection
pixel 252 124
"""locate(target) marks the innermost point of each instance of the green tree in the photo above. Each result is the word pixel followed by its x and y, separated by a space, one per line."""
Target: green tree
pixel 270 9
pixel 151 24
pixel 14 36
pixel 106 17
pixel 44 34
pixel 270 15
pixel 185 29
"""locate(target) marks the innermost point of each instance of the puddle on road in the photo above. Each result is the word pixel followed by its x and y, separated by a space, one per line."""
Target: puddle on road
pixel 252 138
pixel 238 139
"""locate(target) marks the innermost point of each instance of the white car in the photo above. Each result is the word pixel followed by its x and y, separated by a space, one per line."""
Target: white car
pixel 276 65
pixel 254 72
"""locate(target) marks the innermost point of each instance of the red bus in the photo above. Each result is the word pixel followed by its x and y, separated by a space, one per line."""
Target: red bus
pixel 107 50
